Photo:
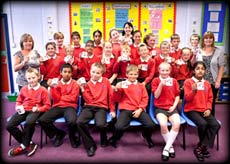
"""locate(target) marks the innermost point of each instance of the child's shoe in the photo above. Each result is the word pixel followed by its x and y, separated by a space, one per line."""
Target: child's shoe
pixel 16 151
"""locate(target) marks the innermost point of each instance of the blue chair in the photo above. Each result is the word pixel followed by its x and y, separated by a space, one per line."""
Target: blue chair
pixel 192 124
pixel 152 115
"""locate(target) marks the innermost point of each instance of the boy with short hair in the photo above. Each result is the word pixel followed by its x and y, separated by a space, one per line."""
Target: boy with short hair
pixel 64 94
pixel 175 49
pixel 59 40
pixel 132 100
pixel 87 58
pixel 32 101
pixel 97 93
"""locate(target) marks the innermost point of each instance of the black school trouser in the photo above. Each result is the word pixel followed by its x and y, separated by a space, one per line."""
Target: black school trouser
pixel 88 113
pixel 207 127
pixel 48 118
pixel 24 136
pixel 123 122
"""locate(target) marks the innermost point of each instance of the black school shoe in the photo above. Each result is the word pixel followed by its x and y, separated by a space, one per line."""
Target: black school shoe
pixel 205 152
pixel 58 141
pixel 198 153
pixel 91 151
pixel 172 153
pixel 104 143
pixel 150 142
pixel 112 142
pixel 75 142
pixel 165 157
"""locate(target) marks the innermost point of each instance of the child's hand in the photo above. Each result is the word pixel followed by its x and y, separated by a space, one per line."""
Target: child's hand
pixel 71 60
pixel 173 60
pixel 119 59
pixel 113 114
pixel 139 66
pixel 20 109
pixel 81 82
pixel 35 108
pixel 207 113
pixel 114 88
pixel 178 63
pixel 103 60
pixel 75 67
pixel 49 81
pixel 143 83
pixel 119 84
pixel 110 80
pixel 137 113
pixel 194 87
pixel 54 82
pixel 171 109
pixel 163 82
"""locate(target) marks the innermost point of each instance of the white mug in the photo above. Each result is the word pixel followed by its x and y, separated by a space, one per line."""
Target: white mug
pixel 82 80
pixel 20 109
pixel 54 81
pixel 200 85
pixel 124 84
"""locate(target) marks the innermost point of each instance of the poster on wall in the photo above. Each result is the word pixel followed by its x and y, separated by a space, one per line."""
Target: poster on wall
pixel 159 19
pixel 214 20
pixel 117 13
pixel 86 18
pixel 155 17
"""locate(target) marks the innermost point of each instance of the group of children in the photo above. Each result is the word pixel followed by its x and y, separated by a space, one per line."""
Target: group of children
pixel 113 76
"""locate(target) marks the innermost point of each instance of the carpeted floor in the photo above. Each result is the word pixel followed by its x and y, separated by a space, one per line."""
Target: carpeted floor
pixel 131 148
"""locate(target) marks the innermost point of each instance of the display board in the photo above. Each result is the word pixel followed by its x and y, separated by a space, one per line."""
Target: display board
pixel 155 17
pixel 117 13
pixel 214 20
pixel 159 19
pixel 86 18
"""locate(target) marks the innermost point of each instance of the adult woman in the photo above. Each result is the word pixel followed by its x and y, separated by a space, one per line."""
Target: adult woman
pixel 25 58
pixel 213 58
pixel 127 33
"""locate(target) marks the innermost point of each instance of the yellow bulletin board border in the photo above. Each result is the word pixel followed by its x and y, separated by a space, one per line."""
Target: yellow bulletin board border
pixel 86 17
pixel 157 17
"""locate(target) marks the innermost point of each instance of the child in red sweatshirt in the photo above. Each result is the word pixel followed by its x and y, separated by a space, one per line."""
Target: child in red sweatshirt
pixel 166 98
pixel 64 94
pixel 198 105
pixel 132 100
pixel 183 68
pixel 51 64
pixel 32 101
pixel 97 93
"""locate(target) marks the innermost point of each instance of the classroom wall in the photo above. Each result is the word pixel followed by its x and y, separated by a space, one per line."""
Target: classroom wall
pixel 41 19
